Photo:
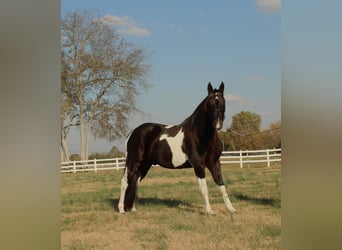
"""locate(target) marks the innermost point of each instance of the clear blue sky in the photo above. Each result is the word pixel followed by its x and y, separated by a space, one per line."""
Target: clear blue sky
pixel 192 43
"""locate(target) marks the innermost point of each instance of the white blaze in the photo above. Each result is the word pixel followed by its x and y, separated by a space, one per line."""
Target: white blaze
pixel 175 143
pixel 218 124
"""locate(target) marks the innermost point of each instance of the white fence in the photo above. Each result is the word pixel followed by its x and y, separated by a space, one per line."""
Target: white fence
pixel 92 165
pixel 251 156
pixel 241 157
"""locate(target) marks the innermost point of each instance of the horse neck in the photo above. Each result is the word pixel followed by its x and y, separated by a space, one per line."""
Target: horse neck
pixel 200 122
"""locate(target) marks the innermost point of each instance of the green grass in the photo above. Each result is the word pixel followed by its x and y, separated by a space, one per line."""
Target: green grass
pixel 170 211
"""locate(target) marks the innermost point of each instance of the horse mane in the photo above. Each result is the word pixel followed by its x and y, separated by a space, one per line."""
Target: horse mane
pixel 192 120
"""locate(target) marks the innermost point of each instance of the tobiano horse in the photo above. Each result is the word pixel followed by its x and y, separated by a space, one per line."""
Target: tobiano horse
pixel 193 143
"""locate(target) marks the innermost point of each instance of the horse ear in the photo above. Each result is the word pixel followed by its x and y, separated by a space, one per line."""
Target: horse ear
pixel 210 88
pixel 221 88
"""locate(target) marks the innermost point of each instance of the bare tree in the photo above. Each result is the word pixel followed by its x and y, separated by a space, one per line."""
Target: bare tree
pixel 101 76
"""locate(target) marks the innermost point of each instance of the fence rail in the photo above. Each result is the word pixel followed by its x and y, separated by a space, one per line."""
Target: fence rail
pixel 251 156
pixel 241 157
pixel 92 165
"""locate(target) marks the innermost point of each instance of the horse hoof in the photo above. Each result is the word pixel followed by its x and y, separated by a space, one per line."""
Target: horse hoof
pixel 121 211
pixel 232 210
pixel 210 212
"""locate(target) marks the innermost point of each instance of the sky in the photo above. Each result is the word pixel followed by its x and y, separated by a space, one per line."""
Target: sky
pixel 191 43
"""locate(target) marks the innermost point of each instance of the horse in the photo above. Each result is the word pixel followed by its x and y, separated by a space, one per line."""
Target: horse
pixel 192 143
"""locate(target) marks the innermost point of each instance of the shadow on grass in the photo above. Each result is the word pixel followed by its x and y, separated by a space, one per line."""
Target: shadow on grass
pixel 256 200
pixel 153 202
pixel 163 202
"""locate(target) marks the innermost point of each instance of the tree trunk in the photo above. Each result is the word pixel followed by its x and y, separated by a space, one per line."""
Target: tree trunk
pixel 87 138
pixel 87 142
pixel 83 143
pixel 64 150
pixel 85 131
pixel 83 153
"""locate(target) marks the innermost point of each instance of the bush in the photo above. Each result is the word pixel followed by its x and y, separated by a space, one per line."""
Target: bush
pixel 75 157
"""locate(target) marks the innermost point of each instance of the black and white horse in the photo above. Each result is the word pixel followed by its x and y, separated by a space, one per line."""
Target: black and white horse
pixel 193 143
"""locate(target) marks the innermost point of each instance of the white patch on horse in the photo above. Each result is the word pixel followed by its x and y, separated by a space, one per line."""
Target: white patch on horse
pixel 129 135
pixel 226 199
pixel 175 144
pixel 203 188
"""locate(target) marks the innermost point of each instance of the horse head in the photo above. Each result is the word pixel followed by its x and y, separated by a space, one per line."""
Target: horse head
pixel 216 105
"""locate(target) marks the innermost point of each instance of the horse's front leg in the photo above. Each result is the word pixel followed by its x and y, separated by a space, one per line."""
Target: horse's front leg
pixel 204 191
pixel 215 170
pixel 199 169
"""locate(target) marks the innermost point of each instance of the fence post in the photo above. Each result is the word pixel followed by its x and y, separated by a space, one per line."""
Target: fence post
pixel 117 163
pixel 268 157
pixel 247 158
pixel 95 166
pixel 240 159
pixel 74 164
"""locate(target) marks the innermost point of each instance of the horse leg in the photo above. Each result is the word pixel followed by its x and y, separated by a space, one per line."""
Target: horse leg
pixel 202 183
pixel 131 191
pixel 143 169
pixel 128 187
pixel 204 191
pixel 124 185
pixel 215 171
pixel 134 173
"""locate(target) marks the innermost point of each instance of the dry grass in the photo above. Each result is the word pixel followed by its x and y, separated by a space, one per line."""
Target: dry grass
pixel 171 211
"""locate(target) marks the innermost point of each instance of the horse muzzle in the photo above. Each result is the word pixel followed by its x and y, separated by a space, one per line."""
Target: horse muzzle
pixel 218 124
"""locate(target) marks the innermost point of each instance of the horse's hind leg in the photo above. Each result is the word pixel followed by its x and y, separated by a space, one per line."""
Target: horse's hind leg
pixel 128 187
pixel 143 169
pixel 134 173
pixel 124 185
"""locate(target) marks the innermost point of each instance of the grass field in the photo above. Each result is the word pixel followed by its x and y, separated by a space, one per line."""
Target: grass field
pixel 170 211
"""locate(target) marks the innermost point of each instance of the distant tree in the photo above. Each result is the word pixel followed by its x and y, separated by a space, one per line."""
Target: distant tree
pixel 75 157
pixel 98 156
pixel 243 131
pixel 101 76
pixel 115 152
pixel 271 136
pixel 226 140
